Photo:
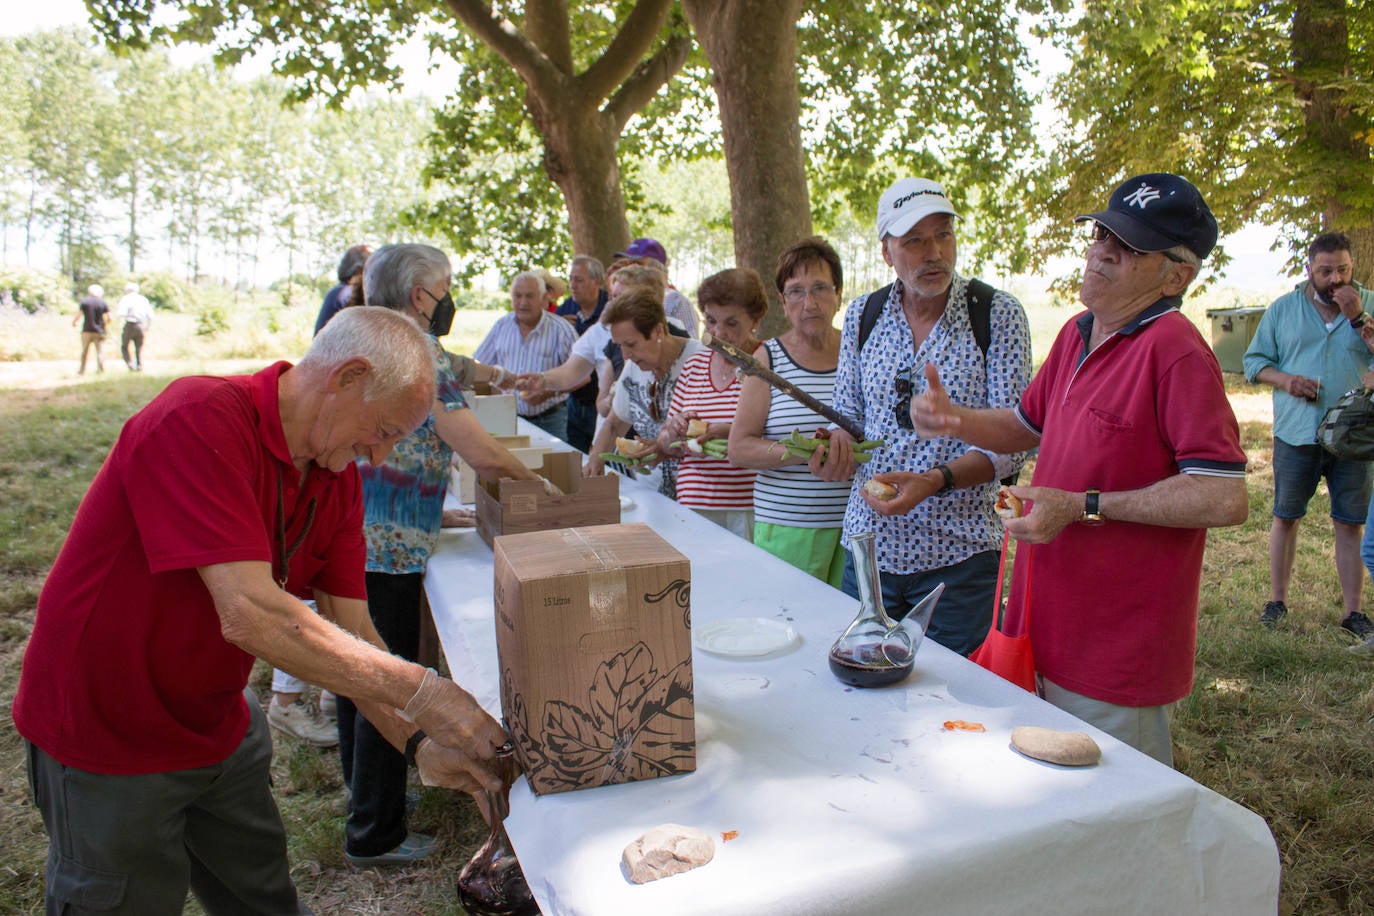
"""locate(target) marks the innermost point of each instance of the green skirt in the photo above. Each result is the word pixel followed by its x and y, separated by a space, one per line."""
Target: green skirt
pixel 813 550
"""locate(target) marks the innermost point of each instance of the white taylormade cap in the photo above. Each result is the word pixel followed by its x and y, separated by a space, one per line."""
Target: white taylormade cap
pixel 907 202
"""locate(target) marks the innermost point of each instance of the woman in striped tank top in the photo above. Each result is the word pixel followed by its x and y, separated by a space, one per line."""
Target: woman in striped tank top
pixel 733 302
pixel 797 515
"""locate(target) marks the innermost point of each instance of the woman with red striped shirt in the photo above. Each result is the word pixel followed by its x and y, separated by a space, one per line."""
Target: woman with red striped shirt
pixel 733 303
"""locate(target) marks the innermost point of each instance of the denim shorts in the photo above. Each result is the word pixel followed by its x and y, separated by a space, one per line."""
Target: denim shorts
pixel 1298 469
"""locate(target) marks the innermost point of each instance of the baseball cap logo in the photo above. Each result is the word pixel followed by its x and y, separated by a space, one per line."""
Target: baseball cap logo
pixel 1142 196
pixel 897 204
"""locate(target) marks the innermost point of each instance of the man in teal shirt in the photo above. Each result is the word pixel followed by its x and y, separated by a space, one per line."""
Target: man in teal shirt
pixel 1310 348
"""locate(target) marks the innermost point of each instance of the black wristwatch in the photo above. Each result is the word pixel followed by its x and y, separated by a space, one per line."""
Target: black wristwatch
pixel 413 745
pixel 948 475
pixel 1358 321
pixel 1092 511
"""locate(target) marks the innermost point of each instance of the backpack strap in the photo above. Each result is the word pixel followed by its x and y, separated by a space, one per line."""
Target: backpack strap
pixel 979 313
pixel 873 307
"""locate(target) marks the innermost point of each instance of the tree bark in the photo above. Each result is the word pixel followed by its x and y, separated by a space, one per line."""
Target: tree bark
pixel 580 117
pixel 580 157
pixel 1321 58
pixel 752 48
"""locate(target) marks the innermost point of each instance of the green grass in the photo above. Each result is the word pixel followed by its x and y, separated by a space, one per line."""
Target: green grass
pixel 1278 720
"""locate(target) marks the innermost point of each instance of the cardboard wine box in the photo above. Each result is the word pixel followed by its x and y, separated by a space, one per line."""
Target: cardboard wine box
pixel 517 506
pixel 593 633
pixel 463 480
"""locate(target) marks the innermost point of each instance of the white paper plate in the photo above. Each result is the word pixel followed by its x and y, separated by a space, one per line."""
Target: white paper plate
pixel 743 637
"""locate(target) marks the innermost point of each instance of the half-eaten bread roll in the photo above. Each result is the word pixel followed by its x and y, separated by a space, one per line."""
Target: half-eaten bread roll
pixel 668 849
pixel 879 490
pixel 696 429
pixel 1008 505
pixel 633 448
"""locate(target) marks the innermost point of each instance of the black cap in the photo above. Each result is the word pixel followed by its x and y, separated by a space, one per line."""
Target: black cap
pixel 1155 212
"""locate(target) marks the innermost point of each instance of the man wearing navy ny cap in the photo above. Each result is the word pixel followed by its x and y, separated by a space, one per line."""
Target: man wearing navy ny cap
pixel 651 253
pixel 1139 455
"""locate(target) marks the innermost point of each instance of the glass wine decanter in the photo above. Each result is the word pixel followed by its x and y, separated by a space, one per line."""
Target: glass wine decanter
pixel 875 650
pixel 492 884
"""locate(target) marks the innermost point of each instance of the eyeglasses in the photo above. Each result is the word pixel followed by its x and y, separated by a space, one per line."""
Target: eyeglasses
pixel 1101 233
pixel 902 385
pixel 798 294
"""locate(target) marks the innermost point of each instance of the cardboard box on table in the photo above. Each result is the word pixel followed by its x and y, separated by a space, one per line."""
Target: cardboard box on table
pixel 463 480
pixel 593 633
pixel 496 412
pixel 517 506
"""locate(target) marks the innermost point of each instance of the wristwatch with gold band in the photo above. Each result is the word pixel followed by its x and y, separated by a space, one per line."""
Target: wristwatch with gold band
pixel 1092 511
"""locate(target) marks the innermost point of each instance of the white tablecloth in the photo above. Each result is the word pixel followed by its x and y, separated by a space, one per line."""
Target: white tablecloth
pixel 853 801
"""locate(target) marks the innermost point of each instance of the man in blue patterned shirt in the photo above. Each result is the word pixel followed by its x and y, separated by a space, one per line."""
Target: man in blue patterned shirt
pixel 940 527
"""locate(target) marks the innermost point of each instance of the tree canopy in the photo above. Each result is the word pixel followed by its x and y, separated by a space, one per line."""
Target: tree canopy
pixel 133 149
pixel 1265 106
pixel 549 86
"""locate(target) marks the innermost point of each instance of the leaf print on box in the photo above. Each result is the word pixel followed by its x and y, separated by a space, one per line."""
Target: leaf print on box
pixel 681 592
pixel 620 734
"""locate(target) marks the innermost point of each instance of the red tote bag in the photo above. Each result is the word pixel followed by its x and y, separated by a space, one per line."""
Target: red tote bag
pixel 1008 657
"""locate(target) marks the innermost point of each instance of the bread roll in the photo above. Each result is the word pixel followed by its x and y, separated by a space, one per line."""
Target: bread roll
pixel 668 849
pixel 696 428
pixel 879 490
pixel 1070 749
pixel 1008 505
pixel 632 448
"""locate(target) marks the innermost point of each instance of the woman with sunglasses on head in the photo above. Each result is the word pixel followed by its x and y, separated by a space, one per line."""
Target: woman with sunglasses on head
pixel 641 397
pixel 733 303
pixel 797 515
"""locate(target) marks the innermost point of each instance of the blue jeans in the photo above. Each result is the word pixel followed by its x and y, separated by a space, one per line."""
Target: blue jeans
pixel 554 422
pixel 1367 542
pixel 581 424
pixel 964 613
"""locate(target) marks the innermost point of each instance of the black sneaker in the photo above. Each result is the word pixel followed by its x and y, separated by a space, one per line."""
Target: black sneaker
pixel 1274 611
pixel 1358 624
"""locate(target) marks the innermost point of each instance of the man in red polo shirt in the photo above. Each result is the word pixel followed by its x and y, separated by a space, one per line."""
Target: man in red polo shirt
pixel 1139 455
pixel 222 500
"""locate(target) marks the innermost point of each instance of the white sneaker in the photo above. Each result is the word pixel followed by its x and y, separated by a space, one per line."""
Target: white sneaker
pixel 329 706
pixel 302 722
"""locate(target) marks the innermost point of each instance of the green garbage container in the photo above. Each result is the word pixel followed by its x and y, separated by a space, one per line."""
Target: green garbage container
pixel 1232 331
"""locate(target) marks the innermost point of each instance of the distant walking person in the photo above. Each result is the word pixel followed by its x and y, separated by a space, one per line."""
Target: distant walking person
pixel 136 312
pixel 92 312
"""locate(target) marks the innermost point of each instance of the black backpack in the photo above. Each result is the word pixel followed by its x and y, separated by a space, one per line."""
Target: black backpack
pixel 979 317
pixel 979 313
